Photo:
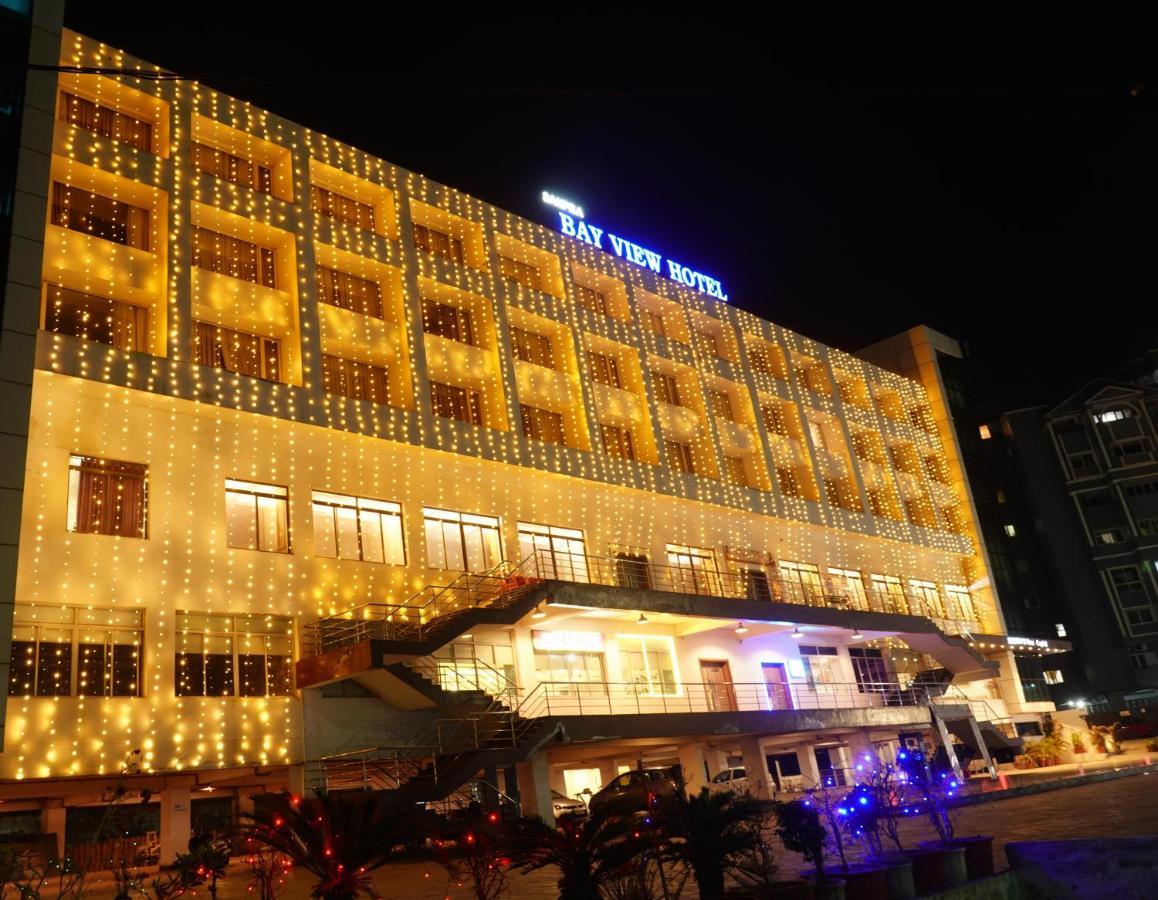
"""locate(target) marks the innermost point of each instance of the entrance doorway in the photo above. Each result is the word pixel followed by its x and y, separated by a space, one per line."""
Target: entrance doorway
pixel 785 771
pixel 717 678
pixel 776 682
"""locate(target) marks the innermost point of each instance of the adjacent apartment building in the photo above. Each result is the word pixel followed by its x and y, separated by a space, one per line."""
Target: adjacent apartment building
pixel 339 478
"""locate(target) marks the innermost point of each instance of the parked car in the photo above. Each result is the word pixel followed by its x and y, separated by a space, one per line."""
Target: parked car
pixel 733 779
pixel 635 791
pixel 1130 728
pixel 567 807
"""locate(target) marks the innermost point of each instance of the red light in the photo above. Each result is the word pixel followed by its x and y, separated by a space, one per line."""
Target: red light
pixel 492 817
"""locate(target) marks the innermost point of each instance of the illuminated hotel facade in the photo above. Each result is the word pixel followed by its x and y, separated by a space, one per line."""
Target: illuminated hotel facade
pixel 285 395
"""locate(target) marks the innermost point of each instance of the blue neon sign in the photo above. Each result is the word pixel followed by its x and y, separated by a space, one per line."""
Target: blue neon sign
pixel 590 234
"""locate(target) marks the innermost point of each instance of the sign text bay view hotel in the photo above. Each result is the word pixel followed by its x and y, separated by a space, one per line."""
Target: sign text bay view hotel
pixel 331 471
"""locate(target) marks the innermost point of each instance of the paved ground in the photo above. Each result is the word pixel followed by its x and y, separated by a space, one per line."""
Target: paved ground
pixel 1128 806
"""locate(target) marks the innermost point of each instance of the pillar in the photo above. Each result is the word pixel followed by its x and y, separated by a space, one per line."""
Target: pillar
pixel 607 770
pixel 863 752
pixel 947 743
pixel 982 747
pixel 756 766
pixel 694 767
pixel 175 823
pixel 535 787
pixel 809 768
pixel 296 781
pixel 52 821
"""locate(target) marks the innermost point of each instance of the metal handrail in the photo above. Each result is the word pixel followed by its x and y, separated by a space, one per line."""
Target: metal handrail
pixel 414 617
pixel 463 672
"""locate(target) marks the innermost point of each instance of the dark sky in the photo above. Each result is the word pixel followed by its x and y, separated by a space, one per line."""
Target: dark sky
pixel 847 180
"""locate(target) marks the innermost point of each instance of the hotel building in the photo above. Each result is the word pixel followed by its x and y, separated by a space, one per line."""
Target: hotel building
pixel 336 477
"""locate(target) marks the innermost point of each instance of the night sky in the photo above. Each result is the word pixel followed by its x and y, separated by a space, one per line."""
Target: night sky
pixel 846 184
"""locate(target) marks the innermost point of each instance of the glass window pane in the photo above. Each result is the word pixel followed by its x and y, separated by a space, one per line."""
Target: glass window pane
pixel 272 525
pixel 435 552
pixel 453 543
pixel 395 551
pixel 325 535
pixel 371 533
pixel 346 520
pixel 241 520
pixel 218 674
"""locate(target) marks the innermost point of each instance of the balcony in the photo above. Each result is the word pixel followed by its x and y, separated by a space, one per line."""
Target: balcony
pixel 737 437
pixel 241 305
pixel 541 386
pixel 678 422
pixel 617 406
pixel 454 362
pixel 135 275
pixel 355 336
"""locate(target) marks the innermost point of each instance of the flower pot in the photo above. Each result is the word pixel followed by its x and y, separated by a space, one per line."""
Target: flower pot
pixel 864 881
pixel 953 861
pixel 978 855
pixel 899 872
pixel 832 889
pixel 928 870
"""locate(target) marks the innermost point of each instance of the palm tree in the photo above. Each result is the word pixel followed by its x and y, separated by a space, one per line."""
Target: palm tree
pixel 712 834
pixel 586 853
pixel 339 838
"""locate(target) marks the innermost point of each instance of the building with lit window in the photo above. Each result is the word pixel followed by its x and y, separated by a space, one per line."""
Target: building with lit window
pixel 339 478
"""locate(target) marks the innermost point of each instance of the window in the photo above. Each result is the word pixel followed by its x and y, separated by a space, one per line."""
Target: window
pixel 961 601
pixel 1010 530
pixel 803 582
pixel 710 341
pixel 667 389
pixel 1031 601
pixel 234 257
pixel 999 496
pixel 66 651
pixel 558 552
pixel 100 216
pixel 1140 616
pixel 693 569
pixel 107 496
pixel 721 405
pixel 984 431
pixel 593 299
pixel 1127 580
pixel 344 209
pixel 774 420
pixel 257 516
pixel 653 322
pixel 106 122
pixel 524 273
pixel 1054 676
pixel 868 666
pixel 350 292
pixel 573 672
pixel 542 424
pixel 649 664
pixel 237 351
pixel 429 240
pixel 928 598
pixel 531 347
pixel 1061 629
pixel 1082 464
pixel 679 456
pixel 233 656
pixel 1109 536
pixel 450 322
pixel 821 665
pixel 1093 500
pixel 604 369
pixel 94 318
pixel 889 593
pixel 1148 526
pixel 453 402
pixel 734 470
pixel 1112 415
pixel 1132 451
pixel 789 482
pixel 461 542
pixel 848 583
pixel 358 380
pixel 232 168
pixel 617 441
pixel 1139 488
pixel 358 528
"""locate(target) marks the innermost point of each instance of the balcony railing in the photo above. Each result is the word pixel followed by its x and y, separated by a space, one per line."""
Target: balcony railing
pixel 413 618
pixel 558 698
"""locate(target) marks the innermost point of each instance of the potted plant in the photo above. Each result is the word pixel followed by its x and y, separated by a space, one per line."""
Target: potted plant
pixel 1079 744
pixel 876 806
pixel 940 863
pixel 799 829
pixel 862 881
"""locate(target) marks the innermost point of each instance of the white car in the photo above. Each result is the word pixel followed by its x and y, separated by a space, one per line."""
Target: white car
pixel 733 779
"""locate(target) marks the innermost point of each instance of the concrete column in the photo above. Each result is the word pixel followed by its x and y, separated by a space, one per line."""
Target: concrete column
pixel 176 804
pixel 296 781
pixel 809 769
pixel 860 746
pixel 694 767
pixel 607 770
pixel 947 743
pixel 52 821
pixel 760 783
pixel 982 747
pixel 535 787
